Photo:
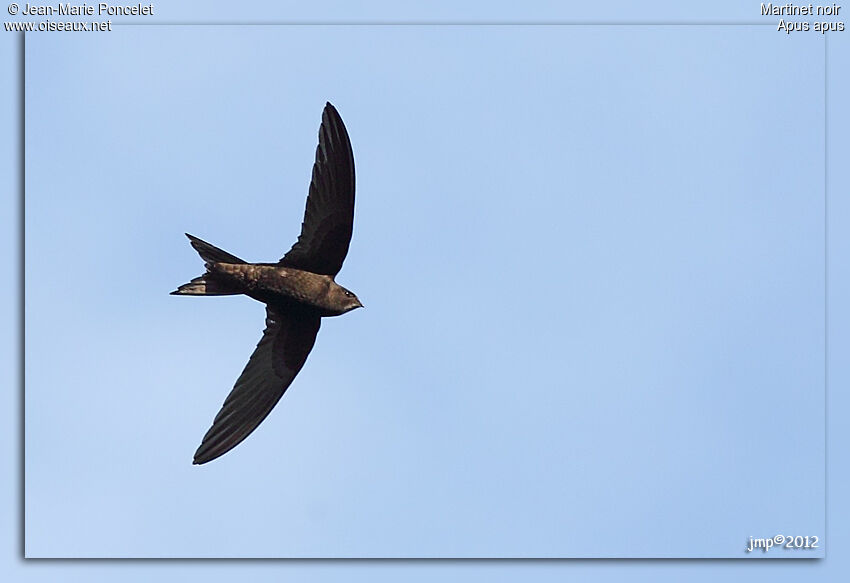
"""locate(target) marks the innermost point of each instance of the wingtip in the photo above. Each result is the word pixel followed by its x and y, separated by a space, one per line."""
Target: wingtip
pixel 200 460
pixel 203 455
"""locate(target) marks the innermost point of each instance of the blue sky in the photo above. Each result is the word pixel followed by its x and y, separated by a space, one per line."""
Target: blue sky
pixel 656 192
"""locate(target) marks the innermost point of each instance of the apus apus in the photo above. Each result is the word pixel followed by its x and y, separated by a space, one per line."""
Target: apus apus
pixel 299 290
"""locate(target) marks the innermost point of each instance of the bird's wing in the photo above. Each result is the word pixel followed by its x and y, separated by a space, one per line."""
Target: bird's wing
pixel 280 354
pixel 329 216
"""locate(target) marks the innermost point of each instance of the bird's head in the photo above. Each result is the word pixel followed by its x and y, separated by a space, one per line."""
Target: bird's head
pixel 345 300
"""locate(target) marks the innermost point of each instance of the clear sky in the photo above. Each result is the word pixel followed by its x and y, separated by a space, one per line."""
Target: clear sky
pixel 593 265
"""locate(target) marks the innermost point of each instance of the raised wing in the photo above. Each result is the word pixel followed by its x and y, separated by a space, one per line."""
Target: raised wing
pixel 282 351
pixel 329 216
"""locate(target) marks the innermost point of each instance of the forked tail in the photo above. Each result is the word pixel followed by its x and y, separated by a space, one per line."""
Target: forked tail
pixel 207 284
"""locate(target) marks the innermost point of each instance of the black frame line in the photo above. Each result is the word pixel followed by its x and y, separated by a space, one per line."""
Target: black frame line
pixel 21 303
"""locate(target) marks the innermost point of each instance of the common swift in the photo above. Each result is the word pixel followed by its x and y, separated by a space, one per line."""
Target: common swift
pixel 298 291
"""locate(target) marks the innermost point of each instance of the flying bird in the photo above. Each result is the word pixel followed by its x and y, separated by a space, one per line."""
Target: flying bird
pixel 298 291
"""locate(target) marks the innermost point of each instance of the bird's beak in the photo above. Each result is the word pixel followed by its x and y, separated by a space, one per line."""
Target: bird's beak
pixel 360 305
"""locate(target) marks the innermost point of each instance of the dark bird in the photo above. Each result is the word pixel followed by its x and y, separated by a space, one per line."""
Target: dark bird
pixel 299 290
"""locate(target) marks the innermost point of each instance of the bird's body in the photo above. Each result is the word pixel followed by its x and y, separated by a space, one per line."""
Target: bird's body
pixel 298 291
pixel 282 286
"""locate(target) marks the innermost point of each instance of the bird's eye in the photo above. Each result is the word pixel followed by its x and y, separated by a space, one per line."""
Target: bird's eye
pixel 348 294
